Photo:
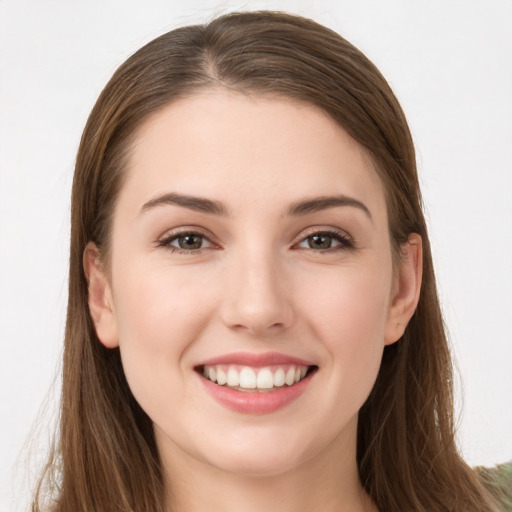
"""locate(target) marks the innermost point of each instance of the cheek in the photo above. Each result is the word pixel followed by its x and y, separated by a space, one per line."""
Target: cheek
pixel 158 317
pixel 158 306
pixel 348 312
pixel 353 300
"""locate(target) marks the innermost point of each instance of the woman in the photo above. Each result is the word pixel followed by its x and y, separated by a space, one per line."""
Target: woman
pixel 253 319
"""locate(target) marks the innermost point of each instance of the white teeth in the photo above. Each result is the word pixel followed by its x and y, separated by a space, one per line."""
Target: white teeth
pixel 290 376
pixel 279 377
pixel 244 377
pixel 222 378
pixel 247 378
pixel 233 377
pixel 265 379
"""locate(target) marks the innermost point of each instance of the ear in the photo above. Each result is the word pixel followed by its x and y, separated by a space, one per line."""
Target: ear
pixel 100 297
pixel 406 289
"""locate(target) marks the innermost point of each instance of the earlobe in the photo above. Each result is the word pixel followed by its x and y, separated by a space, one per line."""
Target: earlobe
pixel 100 297
pixel 406 290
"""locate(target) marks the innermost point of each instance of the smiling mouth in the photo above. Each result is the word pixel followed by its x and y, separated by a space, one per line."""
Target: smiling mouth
pixel 256 380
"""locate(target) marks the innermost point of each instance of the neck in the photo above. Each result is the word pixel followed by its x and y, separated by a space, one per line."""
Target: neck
pixel 328 482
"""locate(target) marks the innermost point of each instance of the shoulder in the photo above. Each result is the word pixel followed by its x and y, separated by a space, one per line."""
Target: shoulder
pixel 498 481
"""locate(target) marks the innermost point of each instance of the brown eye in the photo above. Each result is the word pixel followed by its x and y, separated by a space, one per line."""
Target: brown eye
pixel 319 241
pixel 185 242
pixel 189 241
pixel 326 241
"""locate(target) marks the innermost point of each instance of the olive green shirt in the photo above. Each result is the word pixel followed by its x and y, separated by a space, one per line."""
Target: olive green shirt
pixel 498 481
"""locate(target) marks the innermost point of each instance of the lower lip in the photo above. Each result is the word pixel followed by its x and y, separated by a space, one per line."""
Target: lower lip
pixel 255 403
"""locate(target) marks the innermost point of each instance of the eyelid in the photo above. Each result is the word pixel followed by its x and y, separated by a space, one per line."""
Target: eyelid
pixel 170 235
pixel 313 230
pixel 345 239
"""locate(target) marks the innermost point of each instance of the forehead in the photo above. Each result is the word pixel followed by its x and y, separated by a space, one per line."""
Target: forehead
pixel 240 148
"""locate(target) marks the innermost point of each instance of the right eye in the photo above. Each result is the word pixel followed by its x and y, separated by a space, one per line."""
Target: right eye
pixel 185 242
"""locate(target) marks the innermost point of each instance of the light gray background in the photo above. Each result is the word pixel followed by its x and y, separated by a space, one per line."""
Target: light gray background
pixel 448 61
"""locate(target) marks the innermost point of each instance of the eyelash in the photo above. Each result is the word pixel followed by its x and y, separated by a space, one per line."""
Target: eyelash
pixel 345 241
pixel 166 242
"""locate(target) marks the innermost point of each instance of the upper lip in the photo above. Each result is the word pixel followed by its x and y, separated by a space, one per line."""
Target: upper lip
pixel 256 360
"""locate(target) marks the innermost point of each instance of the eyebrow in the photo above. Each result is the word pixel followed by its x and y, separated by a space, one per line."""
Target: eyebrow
pixel 317 204
pixel 198 204
pixel 304 207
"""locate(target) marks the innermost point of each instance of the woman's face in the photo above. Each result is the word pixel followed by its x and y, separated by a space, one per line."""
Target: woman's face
pixel 249 244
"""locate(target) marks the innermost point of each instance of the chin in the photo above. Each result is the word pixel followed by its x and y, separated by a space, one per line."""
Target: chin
pixel 261 454
pixel 257 464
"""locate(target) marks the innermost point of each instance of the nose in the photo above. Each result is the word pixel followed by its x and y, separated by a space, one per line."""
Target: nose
pixel 257 295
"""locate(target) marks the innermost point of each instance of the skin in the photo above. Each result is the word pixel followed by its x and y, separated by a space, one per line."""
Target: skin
pixel 256 285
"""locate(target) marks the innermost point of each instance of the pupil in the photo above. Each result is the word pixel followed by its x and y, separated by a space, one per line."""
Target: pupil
pixel 320 242
pixel 190 242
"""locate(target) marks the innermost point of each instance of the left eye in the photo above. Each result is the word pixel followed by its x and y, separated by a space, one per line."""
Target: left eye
pixel 322 241
pixel 186 242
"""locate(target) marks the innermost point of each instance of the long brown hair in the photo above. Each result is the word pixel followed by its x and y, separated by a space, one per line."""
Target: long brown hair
pixel 106 457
